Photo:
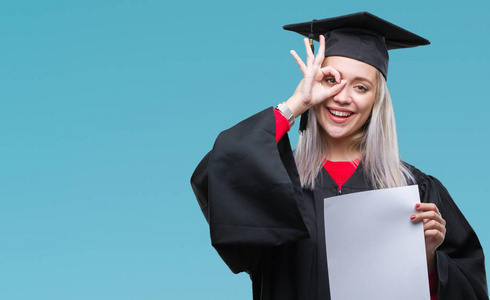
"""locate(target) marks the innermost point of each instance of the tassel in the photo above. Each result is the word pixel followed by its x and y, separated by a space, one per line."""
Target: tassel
pixel 303 123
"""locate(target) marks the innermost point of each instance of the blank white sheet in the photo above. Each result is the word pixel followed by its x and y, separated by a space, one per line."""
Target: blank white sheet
pixel 374 250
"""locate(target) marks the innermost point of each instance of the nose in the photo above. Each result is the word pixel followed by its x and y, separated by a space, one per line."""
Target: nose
pixel 344 96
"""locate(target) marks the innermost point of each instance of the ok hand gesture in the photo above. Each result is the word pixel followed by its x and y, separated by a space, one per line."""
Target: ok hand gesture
pixel 313 88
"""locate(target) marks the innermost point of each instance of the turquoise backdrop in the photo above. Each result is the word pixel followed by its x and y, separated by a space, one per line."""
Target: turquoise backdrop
pixel 107 106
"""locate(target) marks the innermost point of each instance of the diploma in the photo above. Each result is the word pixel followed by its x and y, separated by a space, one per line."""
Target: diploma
pixel 374 250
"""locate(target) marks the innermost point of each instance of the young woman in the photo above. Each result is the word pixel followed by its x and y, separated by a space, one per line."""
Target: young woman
pixel 264 204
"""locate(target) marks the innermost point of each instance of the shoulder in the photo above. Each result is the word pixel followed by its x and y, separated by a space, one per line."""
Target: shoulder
pixel 430 188
pixel 420 177
pixel 427 183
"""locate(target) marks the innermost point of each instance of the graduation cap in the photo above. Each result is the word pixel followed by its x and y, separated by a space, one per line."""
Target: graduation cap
pixel 361 36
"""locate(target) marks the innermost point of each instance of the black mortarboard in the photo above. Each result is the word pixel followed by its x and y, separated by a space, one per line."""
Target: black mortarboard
pixel 361 36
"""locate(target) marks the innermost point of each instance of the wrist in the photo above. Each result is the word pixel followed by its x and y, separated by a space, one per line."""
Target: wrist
pixel 431 261
pixel 286 112
pixel 296 106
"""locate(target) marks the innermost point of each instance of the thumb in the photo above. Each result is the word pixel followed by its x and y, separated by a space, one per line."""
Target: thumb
pixel 334 90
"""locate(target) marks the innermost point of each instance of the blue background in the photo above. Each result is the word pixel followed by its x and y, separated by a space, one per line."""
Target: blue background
pixel 106 107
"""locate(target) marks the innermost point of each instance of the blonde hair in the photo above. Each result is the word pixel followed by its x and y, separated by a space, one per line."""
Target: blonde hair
pixel 377 142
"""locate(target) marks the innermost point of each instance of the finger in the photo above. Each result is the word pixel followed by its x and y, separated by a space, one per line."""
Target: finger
pixel 434 225
pixel 331 71
pixel 307 46
pixel 427 206
pixel 320 55
pixel 433 239
pixel 436 235
pixel 299 61
pixel 431 215
pixel 310 56
pixel 334 90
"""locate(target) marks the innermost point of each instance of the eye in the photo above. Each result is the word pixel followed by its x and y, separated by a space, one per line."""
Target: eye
pixel 361 88
pixel 331 80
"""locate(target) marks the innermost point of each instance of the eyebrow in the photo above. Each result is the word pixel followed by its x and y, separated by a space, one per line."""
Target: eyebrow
pixel 358 78
pixel 363 79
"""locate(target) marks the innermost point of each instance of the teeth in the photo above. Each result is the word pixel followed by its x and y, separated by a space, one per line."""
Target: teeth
pixel 340 113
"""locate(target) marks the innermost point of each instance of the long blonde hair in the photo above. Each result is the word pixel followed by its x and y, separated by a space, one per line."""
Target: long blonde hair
pixel 377 142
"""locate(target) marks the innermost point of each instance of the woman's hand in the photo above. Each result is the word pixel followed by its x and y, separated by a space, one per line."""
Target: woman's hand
pixel 313 88
pixel 434 229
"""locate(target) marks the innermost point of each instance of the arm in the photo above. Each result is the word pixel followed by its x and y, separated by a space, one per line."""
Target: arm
pixel 248 175
pixel 434 231
pixel 249 191
pixel 459 259
pixel 282 125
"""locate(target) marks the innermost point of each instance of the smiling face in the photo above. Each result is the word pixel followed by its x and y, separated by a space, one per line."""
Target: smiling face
pixel 343 115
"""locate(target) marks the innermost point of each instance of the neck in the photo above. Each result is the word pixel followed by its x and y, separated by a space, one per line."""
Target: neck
pixel 341 150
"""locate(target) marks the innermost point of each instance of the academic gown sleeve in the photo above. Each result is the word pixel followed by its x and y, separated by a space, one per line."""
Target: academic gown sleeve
pixel 249 191
pixel 460 259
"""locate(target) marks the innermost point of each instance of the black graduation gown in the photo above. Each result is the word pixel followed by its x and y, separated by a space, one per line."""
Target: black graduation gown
pixel 262 221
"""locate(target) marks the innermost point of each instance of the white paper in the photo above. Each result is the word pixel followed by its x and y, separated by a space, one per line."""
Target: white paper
pixel 374 250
